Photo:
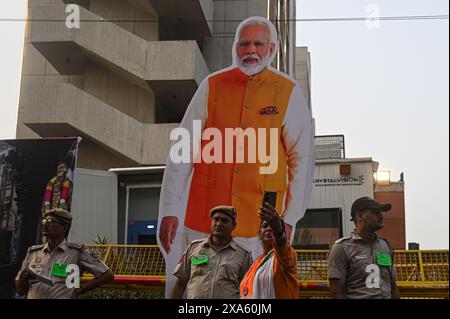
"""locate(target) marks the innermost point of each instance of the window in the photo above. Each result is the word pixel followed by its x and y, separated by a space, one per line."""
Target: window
pixel 318 229
pixel 142 214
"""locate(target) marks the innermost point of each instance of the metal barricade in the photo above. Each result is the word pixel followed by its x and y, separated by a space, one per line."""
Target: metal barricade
pixel 140 272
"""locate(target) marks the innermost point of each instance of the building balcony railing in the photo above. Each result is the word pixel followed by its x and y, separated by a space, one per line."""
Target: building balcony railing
pixel 65 110
pixel 169 68
pixel 184 19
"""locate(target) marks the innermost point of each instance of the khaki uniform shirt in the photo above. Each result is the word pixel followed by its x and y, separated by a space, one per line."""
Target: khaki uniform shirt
pixel 353 260
pixel 42 259
pixel 219 276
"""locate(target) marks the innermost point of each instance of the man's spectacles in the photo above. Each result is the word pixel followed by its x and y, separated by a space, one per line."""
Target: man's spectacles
pixel 258 44
pixel 49 221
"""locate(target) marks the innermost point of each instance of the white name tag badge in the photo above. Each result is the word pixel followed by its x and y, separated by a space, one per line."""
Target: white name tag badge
pixel 359 257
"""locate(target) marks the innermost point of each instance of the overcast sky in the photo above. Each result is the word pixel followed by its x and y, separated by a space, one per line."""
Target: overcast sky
pixel 385 89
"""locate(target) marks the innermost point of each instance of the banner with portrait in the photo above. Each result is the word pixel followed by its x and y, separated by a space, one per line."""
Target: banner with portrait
pixel 36 175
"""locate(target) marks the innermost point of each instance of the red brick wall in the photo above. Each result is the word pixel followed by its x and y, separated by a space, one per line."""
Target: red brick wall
pixel 394 220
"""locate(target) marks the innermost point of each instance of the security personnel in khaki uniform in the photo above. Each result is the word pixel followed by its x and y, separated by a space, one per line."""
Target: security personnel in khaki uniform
pixel 212 268
pixel 361 265
pixel 46 268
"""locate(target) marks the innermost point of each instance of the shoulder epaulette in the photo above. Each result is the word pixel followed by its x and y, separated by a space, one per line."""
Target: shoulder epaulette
pixel 35 247
pixel 387 242
pixel 340 240
pixel 197 241
pixel 243 247
pixel 75 246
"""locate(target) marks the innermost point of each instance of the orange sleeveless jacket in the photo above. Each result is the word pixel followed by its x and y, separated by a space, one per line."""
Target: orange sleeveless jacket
pixel 237 100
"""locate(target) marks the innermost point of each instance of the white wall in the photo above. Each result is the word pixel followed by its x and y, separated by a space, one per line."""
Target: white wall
pixel 94 206
pixel 334 193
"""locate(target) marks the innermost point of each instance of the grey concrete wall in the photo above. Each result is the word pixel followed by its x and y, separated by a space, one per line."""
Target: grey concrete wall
pixel 156 143
pixel 63 103
pixel 303 71
pixel 95 156
pixel 125 96
pixel 208 11
pixel 108 101
pixel 146 60
pixel 36 69
pixel 127 11
pixel 61 108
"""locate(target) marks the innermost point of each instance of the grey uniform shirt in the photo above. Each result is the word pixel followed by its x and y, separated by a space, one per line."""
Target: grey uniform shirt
pixel 217 278
pixel 42 259
pixel 354 261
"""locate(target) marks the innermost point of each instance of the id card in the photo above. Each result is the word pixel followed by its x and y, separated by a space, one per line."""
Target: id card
pixel 59 270
pixel 200 259
pixel 383 259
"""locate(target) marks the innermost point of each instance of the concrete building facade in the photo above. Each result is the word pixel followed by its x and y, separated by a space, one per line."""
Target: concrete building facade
pixel 395 221
pixel 302 72
pixel 334 191
pixel 338 182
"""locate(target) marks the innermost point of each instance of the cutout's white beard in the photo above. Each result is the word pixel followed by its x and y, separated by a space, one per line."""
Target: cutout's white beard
pixel 252 69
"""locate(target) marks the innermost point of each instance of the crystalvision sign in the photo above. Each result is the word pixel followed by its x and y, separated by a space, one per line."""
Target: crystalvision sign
pixel 340 181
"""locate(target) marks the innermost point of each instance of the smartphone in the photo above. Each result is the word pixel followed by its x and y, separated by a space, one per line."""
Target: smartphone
pixel 271 198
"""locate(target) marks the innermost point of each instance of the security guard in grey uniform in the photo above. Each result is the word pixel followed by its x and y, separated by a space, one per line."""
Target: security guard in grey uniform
pixel 361 265
pixel 212 268
pixel 46 268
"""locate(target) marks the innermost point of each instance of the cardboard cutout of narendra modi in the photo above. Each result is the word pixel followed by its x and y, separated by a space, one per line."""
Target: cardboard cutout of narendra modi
pixel 250 132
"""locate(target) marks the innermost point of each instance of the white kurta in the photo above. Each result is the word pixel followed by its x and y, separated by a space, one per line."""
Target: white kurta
pixel 263 284
pixel 298 138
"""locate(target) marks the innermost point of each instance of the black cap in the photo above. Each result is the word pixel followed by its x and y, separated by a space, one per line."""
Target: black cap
pixel 366 203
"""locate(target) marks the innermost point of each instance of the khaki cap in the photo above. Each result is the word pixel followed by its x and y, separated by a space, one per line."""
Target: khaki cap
pixel 59 212
pixel 227 210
